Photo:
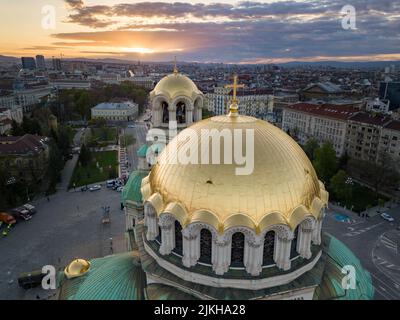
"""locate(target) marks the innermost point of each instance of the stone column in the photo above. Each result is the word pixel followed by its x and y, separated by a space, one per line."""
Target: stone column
pixel 304 242
pixel 199 114
pixel 221 259
pixel 253 257
pixel 316 236
pixel 167 238
pixel 189 116
pixel 282 253
pixel 191 249
pixel 151 223
pixel 172 113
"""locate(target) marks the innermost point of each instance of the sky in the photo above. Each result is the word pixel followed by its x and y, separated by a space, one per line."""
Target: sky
pixel 269 31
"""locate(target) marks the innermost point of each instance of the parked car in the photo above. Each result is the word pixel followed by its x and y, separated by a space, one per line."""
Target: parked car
pixel 84 188
pixel 95 187
pixel 21 214
pixel 30 208
pixel 110 183
pixel 119 189
pixel 7 218
pixel 387 217
pixel 28 280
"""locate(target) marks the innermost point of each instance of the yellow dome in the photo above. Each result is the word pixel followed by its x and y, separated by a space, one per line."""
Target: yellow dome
pixel 282 189
pixel 175 85
pixel 77 268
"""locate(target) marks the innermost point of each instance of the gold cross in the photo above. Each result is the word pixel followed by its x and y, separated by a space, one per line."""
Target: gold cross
pixel 235 86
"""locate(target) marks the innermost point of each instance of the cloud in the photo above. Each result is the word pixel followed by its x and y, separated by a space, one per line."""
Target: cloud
pixel 244 31
pixel 76 4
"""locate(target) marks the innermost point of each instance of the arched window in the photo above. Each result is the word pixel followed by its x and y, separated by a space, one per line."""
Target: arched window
pixel 165 112
pixel 205 246
pixel 237 251
pixel 293 250
pixel 268 252
pixel 158 238
pixel 178 238
pixel 181 112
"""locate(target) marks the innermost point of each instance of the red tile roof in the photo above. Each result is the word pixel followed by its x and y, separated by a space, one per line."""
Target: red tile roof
pixel 21 145
pixel 393 125
pixel 369 118
pixel 325 110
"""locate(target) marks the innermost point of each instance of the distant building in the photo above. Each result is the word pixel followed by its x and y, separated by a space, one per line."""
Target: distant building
pixel 40 62
pixel 25 158
pixel 28 63
pixel 257 103
pixel 322 122
pixel 145 82
pixel 14 113
pixel 63 84
pixel 5 124
pixel 122 111
pixel 390 142
pixel 323 90
pixel 57 64
pixel 390 91
pixel 282 99
pixel 378 105
pixel 31 96
pixel 364 132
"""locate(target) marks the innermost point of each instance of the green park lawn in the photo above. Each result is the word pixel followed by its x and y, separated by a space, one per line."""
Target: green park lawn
pixel 104 134
pixel 107 168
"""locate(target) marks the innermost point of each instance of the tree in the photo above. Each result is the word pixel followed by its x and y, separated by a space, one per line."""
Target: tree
pixel 378 174
pixel 310 148
pixel 31 126
pixel 325 162
pixel 340 187
pixel 85 155
pixel 56 164
pixel 16 129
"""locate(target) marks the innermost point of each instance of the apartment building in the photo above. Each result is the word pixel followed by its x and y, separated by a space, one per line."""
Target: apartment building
pixel 321 122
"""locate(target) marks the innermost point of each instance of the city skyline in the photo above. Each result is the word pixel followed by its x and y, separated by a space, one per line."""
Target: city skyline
pixel 203 31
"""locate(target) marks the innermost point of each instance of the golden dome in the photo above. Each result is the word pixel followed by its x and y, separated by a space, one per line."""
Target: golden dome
pixel 77 268
pixel 282 189
pixel 174 85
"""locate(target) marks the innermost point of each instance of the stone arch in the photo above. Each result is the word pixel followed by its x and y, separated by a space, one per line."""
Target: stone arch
pixel 282 231
pixel 160 106
pixel 184 109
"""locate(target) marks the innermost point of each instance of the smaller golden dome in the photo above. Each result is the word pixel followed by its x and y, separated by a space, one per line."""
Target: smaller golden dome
pixel 174 85
pixel 77 268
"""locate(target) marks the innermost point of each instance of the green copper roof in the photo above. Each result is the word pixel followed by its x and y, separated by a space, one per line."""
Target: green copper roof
pixel 142 151
pixel 157 291
pixel 338 255
pixel 115 277
pixel 132 188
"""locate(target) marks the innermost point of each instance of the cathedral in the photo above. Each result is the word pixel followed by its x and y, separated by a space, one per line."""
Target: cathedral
pixel 201 231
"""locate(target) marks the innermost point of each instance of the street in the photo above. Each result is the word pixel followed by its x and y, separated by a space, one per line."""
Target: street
pixel 67 226
pixel 375 242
